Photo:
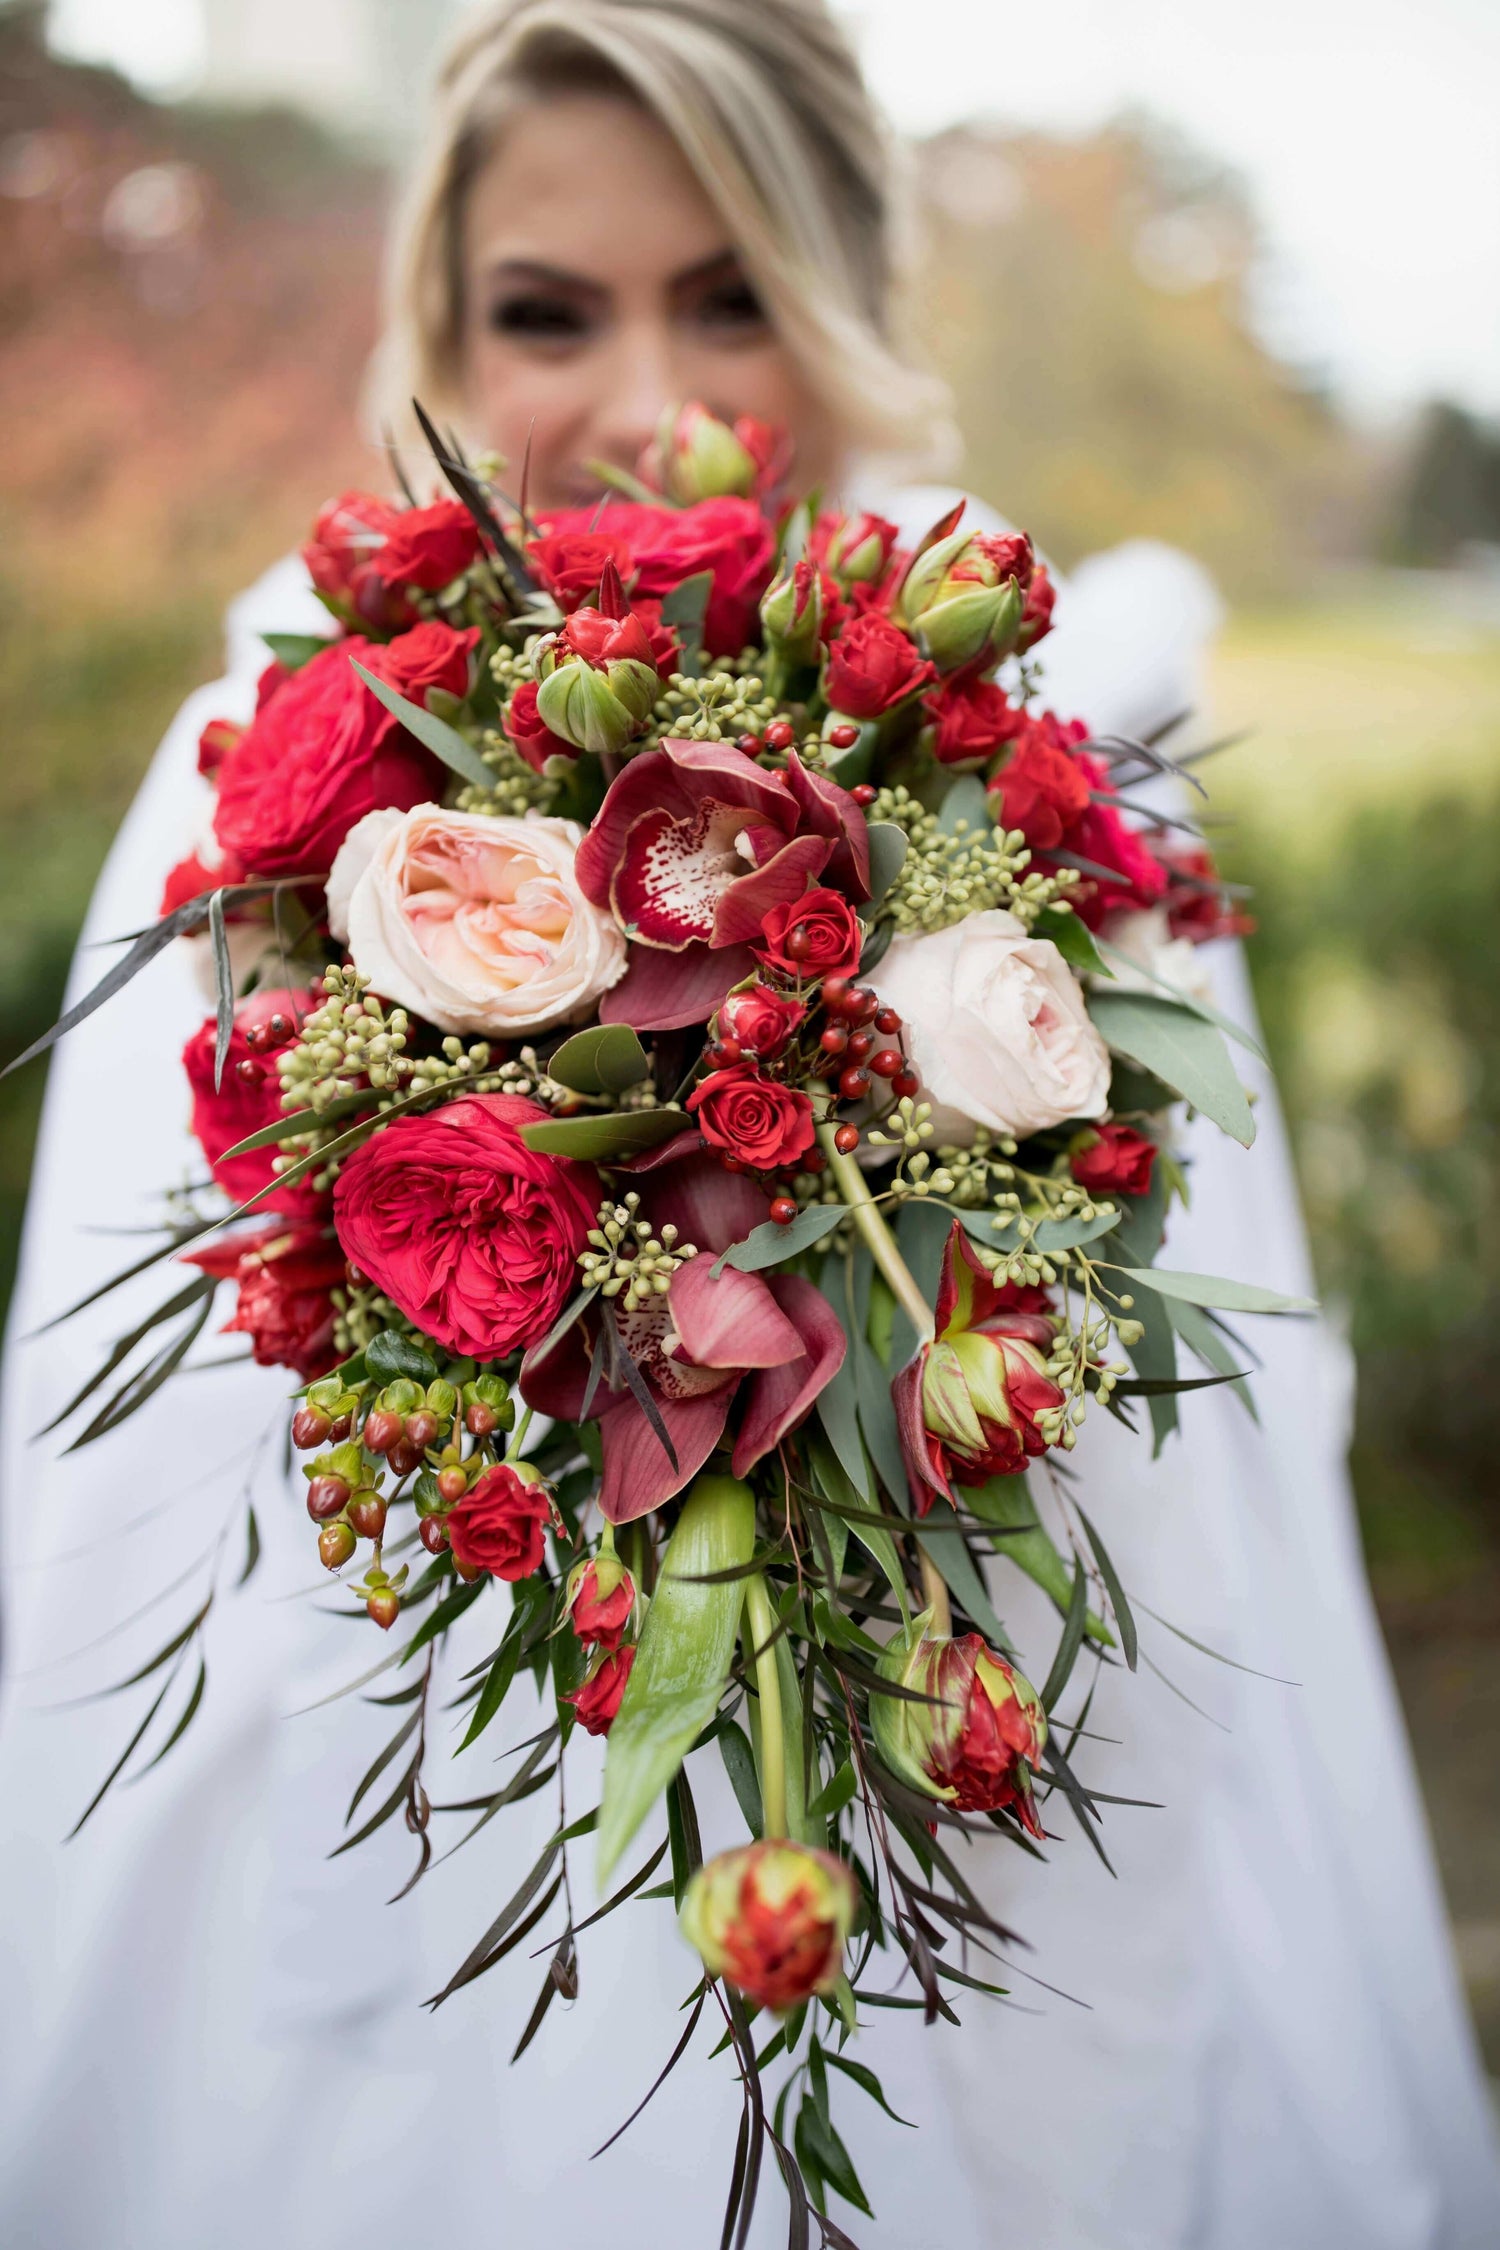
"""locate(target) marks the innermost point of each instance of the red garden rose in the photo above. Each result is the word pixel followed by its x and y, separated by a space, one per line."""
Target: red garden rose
pixel 830 940
pixel 1117 1161
pixel 972 719
pixel 500 1524
pixel 762 1019
pixel 220 735
pixel 730 538
pixel 529 731
pixel 598 1701
pixel 365 554
pixel 1043 789
pixel 192 876
pixel 873 665
pixel 570 564
pixel 600 1597
pixel 764 1124
pixel 324 752
pixel 248 1096
pixel 472 1234
pixel 286 1278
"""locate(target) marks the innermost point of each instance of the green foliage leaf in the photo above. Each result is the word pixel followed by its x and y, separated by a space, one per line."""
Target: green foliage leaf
pixel 1189 1000
pixel 683 1659
pixel 1006 1503
pixel 888 849
pixel 293 650
pixel 941 1539
pixel 1177 1046
pixel 390 1355
pixel 1209 1289
pixel 739 1764
pixel 604 1059
pixel 1071 1641
pixel 433 733
pixel 1071 1234
pixel 1206 1341
pixel 595 1140
pixel 771 1245
pixel 967 800
pixel 1115 1590
pixel 1074 940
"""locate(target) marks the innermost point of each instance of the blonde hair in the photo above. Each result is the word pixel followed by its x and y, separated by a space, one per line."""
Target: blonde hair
pixel 766 101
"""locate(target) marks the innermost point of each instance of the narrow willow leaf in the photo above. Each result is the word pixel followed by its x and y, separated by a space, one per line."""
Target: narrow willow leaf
pixel 1071 1641
pixel 683 1659
pixel 120 1763
pixel 739 1764
pixel 304 1121
pixel 392 1750
pixel 607 1058
pixel 223 986
pixel 1179 1048
pixel 771 1245
pixel 1209 1289
pixel 838 1793
pixel 1205 1340
pixel 202 1285
pixel 252 1548
pixel 477 1959
pixel 596 1139
pixel 1115 1590
pixel 146 1381
pixel 189 1713
pixel 865 2077
pixel 433 733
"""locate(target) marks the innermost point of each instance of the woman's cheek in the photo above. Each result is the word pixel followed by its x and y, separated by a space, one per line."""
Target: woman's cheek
pixel 516 403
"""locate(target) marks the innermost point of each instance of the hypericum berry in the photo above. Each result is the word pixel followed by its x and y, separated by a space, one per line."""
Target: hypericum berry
pixel 834 1040
pixel 258 1037
pixel 367 1514
pixel 421 1429
pixel 326 1496
pixel 480 1420
pixel 834 993
pixel 886 1061
pixel 797 943
pixel 860 1043
pixel 384 1607
pixel 404 1457
pixel 846 1139
pixel 336 1543
pixel 906 1085
pixel 887 1020
pixel 383 1429
pixel 310 1428
pixel 854 1084
pixel 843 737
pixel 749 743
pixel 729 1052
pixel 863 794
pixel 732 1163
pixel 814 1161
pixel 339 1430
pixel 780 735
pixel 433 1534
pixel 250 1070
pixel 279 1029
pixel 863 1005
pixel 452 1484
pixel 783 1210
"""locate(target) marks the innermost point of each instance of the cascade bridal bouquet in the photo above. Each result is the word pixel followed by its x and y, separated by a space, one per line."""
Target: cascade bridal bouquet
pixel 692 1090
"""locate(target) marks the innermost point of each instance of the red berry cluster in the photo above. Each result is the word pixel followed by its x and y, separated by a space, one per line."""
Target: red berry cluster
pixel 856 1041
pixel 262 1039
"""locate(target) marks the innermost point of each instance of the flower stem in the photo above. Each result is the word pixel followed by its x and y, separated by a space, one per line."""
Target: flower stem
pixel 935 1587
pixel 513 1450
pixel 867 1216
pixel 761 1627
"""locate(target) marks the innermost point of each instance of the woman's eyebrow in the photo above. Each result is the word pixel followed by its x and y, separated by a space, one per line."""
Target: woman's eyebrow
pixel 533 273
pixel 724 265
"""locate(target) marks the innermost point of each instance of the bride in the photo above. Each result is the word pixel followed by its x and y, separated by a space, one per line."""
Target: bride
pixel 212 2031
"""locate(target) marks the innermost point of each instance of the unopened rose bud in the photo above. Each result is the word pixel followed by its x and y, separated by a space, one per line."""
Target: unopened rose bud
pixel 773 1918
pixel 366 1512
pixel 336 1543
pixel 791 615
pixel 600 1596
pixel 975 1743
pixel 310 1428
pixel 965 595
pixel 694 456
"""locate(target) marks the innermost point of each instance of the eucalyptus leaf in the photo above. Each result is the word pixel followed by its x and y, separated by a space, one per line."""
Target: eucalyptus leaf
pixel 1205 1340
pixel 888 849
pixel 771 1245
pixel 683 1658
pixel 1209 1289
pixel 1203 1008
pixel 685 607
pixel 1074 940
pixel 1006 1503
pixel 968 801
pixel 596 1139
pixel 433 733
pixel 293 650
pixel 605 1059
pixel 1181 1049
pixel 1071 1234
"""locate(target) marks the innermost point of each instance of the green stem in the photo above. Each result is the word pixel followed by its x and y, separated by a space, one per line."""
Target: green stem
pixel 761 1626
pixel 513 1450
pixel 867 1216
pixel 935 1587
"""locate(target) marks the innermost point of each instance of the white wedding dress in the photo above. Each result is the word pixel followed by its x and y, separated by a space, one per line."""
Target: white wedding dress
pixel 211 2032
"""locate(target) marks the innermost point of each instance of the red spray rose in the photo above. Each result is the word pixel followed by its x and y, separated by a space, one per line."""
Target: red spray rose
pixel 500 1523
pixel 529 731
pixel 598 1701
pixel 600 1598
pixel 730 538
pixel 829 940
pixel 286 1277
pixel 764 1124
pixel 856 550
pixel 365 555
pixel 1043 789
pixel 972 719
pixel 873 665
pixel 324 752
pixel 1117 1161
pixel 220 735
pixel 472 1234
pixel 248 1096
pixel 570 564
pixel 762 1019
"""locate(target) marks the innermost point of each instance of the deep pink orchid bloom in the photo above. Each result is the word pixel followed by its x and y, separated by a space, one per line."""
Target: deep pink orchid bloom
pixel 765 1346
pixel 693 845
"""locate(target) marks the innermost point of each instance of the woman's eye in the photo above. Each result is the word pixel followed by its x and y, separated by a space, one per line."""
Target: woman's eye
pixel 538 319
pixel 731 306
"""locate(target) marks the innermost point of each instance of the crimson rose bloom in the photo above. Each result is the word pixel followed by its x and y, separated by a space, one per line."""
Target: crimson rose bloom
pixel 762 1019
pixel 598 1701
pixel 529 731
pixel 192 876
pixel 244 1103
pixel 499 1524
pixel 471 1233
pixel 324 752
pixel 364 554
pixel 286 1278
pixel 1043 789
pixel 764 1124
pixel 873 665
pixel 831 942
pixel 730 538
pixel 1117 1161
pixel 972 718
pixel 570 564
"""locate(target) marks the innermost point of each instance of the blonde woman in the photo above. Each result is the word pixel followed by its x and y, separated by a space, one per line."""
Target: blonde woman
pixel 212 2032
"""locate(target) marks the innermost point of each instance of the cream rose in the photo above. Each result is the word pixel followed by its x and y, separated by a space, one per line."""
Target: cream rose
pixel 473 920
pixel 996 1028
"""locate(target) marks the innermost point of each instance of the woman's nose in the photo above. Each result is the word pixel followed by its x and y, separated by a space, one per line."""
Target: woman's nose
pixel 640 383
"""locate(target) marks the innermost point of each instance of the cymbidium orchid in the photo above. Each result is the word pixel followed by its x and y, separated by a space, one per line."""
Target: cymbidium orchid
pixel 967 1404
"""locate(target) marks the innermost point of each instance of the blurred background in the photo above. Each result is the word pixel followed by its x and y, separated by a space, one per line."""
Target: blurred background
pixel 1231 283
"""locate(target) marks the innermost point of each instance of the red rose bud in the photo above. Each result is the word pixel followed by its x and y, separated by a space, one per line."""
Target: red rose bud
pixel 600 1596
pixel 968 1404
pixel 773 1919
pixel 975 1745
pixel 756 1120
pixel 599 680
pixel 761 1019
pixel 598 1701
pixel 817 935
pixel 872 666
pixel 964 596
pixel 791 615
pixel 695 457
pixel 365 555
pixel 499 1525
pixel 1115 1161
pixel 1042 789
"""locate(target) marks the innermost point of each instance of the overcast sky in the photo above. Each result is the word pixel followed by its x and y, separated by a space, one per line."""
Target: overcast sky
pixel 1366 131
